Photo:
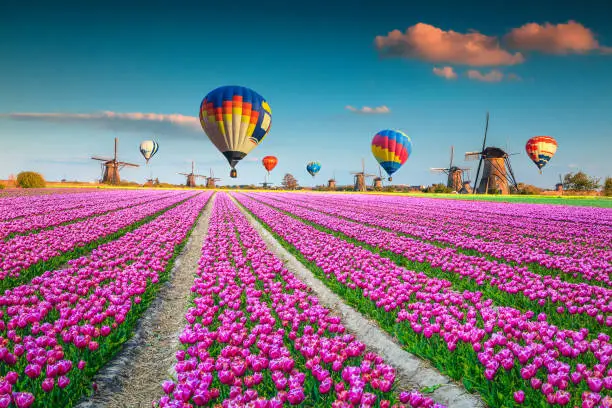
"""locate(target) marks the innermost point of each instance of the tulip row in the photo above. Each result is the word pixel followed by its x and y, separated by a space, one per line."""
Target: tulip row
pixel 94 207
pixel 57 331
pixel 497 351
pixel 589 305
pixel 257 337
pixel 30 255
pixel 25 206
pixel 504 239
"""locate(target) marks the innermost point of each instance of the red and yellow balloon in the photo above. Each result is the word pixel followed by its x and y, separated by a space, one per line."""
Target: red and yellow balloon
pixel 541 149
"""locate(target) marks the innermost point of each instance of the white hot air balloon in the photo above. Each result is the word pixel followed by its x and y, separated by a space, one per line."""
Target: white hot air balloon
pixel 148 148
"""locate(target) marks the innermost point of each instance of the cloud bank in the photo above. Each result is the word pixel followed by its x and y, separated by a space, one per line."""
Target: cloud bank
pixel 429 43
pixel 368 110
pixel 175 124
pixel 560 39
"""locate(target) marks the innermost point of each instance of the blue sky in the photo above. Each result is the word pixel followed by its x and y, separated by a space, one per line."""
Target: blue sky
pixel 309 60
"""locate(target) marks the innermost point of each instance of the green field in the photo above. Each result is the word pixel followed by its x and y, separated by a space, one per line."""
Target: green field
pixel 583 201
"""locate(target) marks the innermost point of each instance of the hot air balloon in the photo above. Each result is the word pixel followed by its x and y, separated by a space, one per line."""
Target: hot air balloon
pixel 313 168
pixel 235 119
pixel 148 148
pixel 269 162
pixel 391 148
pixel 541 149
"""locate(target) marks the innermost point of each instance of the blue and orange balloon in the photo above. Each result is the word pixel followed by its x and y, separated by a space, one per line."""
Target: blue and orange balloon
pixel 391 148
pixel 236 120
pixel 313 168
pixel 541 149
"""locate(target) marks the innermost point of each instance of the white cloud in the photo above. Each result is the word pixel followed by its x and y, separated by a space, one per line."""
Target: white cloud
pixel 368 110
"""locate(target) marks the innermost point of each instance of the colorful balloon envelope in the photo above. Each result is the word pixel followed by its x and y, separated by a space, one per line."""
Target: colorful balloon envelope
pixel 541 149
pixel 313 168
pixel 269 162
pixel 391 148
pixel 236 120
pixel 148 148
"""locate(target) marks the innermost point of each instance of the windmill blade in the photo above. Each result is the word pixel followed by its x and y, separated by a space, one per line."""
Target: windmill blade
pixel 470 156
pixel 438 170
pixel 450 166
pixel 128 164
pixel 512 178
pixel 101 158
pixel 476 178
pixel 183 174
pixel 484 141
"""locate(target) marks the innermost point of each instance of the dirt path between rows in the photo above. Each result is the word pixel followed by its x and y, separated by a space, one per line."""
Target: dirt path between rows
pixel 412 372
pixel 133 378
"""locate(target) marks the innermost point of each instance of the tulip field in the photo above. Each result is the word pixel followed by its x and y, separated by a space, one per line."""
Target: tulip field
pixel 511 301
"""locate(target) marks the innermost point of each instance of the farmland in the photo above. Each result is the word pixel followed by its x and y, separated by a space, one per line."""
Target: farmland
pixel 302 299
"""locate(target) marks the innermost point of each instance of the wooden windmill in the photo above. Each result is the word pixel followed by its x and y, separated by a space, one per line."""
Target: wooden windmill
pixel 191 177
pixel 455 178
pixel 378 180
pixel 331 183
pixel 360 177
pixel 111 167
pixel 211 180
pixel 497 174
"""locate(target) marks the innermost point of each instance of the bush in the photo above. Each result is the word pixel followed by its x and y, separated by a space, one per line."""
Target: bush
pixel 438 188
pixel 30 179
pixel 607 190
pixel 2 186
pixel 528 189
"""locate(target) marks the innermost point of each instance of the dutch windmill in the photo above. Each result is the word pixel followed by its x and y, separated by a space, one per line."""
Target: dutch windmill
pixel 191 177
pixel 497 174
pixel 378 180
pixel 331 183
pixel 111 167
pixel 455 174
pixel 211 180
pixel 360 177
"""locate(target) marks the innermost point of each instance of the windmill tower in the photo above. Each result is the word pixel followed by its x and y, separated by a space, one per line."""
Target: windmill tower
pixel 497 174
pixel 455 174
pixel 559 186
pixel 360 177
pixel 191 177
pixel 111 167
pixel 211 180
pixel 331 183
pixel 378 181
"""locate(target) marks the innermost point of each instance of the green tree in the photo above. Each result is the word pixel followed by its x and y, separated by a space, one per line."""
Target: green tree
pixel 289 182
pixel 30 179
pixel 607 190
pixel 580 181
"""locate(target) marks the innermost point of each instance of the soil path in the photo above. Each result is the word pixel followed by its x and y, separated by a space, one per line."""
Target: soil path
pixel 133 378
pixel 412 372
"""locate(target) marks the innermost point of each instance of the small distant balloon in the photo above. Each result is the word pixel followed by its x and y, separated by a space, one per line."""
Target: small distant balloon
pixel 236 120
pixel 391 148
pixel 313 168
pixel 269 163
pixel 148 148
pixel 541 149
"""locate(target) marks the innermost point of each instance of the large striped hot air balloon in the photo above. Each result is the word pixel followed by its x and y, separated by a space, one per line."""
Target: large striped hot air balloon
pixel 269 163
pixel 391 148
pixel 235 119
pixel 313 168
pixel 541 149
pixel 148 148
